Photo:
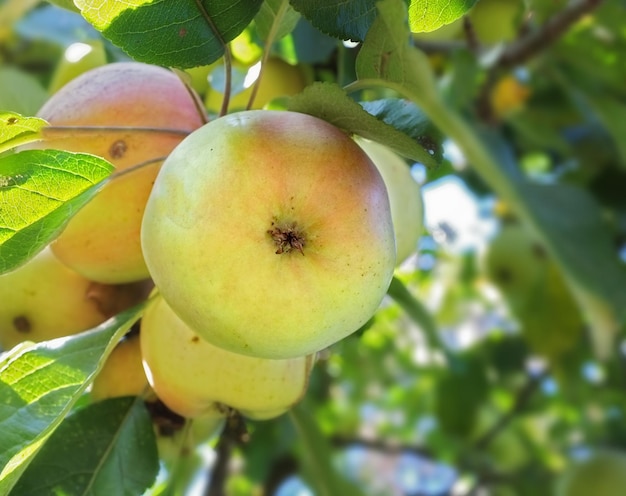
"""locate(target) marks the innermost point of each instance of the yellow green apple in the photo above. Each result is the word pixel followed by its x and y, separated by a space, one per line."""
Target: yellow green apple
pixel 405 196
pixel 102 241
pixel 602 474
pixel 122 374
pixel 278 79
pixel 77 59
pixel 270 234
pixel 43 300
pixel 192 376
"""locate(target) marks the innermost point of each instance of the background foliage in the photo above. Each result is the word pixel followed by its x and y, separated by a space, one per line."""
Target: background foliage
pixel 497 358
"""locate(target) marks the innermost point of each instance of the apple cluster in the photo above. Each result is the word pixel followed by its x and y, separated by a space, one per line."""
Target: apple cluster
pixel 264 236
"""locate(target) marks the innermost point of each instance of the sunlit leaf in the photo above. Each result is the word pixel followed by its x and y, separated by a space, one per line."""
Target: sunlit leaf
pixel 78 459
pixel 40 190
pixel 180 34
pixel 428 16
pixel 16 129
pixel 40 384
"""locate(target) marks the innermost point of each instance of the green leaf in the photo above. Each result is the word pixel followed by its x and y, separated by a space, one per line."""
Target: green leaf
pixel 40 190
pixel 344 20
pixel 119 457
pixel 181 34
pixel 21 92
pixel 65 4
pixel 612 114
pixel 40 384
pixel 276 19
pixel 428 16
pixel 316 456
pixel 407 117
pixel 330 103
pixel 16 129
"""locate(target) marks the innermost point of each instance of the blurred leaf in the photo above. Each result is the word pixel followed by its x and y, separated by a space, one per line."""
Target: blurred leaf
pixel 181 34
pixel 10 12
pixel 428 16
pixel 316 456
pixel 330 103
pixel 40 190
pixel 65 4
pixel 21 92
pixel 56 26
pixel 407 117
pixel 16 129
pixel 276 18
pixel 80 459
pixel 612 113
pixel 568 220
pixel 40 384
pixel 460 391
pixel 343 20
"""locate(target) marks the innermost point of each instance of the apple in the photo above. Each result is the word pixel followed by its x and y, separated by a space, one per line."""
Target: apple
pixel 602 474
pixel 43 300
pixel 508 96
pixel 102 241
pixel 122 374
pixel 192 377
pixel 405 196
pixel 535 291
pixel 278 79
pixel 77 59
pixel 270 234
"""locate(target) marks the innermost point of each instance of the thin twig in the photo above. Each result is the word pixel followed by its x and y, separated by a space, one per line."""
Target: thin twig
pixel 529 45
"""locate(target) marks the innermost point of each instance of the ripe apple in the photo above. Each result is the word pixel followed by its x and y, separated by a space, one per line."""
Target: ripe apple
pixel 192 377
pixel 279 78
pixel 602 474
pixel 122 374
pixel 405 197
pixel 43 300
pixel 508 96
pixel 270 234
pixel 102 241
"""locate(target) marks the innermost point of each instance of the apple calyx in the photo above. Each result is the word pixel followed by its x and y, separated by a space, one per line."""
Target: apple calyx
pixel 287 238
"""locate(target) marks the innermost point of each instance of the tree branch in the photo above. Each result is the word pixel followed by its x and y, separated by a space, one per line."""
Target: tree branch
pixel 234 434
pixel 529 45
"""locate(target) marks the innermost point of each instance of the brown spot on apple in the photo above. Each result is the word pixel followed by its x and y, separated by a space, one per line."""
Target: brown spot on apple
pixel 118 149
pixel 22 324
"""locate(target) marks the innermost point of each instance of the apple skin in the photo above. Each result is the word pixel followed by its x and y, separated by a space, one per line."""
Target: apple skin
pixel 102 242
pixel 43 300
pixel 191 376
pixel 122 374
pixel 405 197
pixel 603 474
pixel 222 202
